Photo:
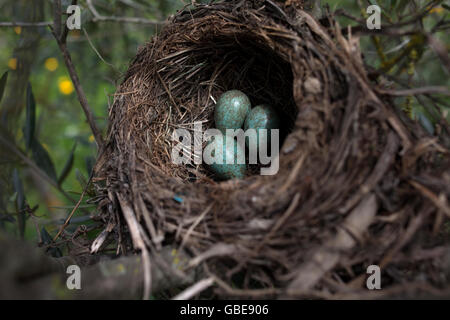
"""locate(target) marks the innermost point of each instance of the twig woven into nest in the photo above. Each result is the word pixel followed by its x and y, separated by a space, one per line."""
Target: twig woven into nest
pixel 357 180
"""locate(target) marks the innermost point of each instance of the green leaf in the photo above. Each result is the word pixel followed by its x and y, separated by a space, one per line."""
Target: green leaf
pixel 45 236
pixel 20 202
pixel 68 166
pixel 77 193
pixel 13 197
pixel 426 123
pixel 84 183
pixel 55 252
pixel 81 179
pixel 90 162
pixel 18 189
pixel 3 80
pixel 7 218
pixel 30 121
pixel 402 4
pixel 43 160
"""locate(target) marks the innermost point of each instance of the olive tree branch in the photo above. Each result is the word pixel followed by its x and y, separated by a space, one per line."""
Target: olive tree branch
pixel 99 17
pixel 417 91
pixel 57 12
pixel 26 24
pixel 30 274
pixel 61 40
pixel 80 92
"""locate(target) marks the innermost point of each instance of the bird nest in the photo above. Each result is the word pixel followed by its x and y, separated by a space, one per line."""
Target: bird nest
pixel 359 184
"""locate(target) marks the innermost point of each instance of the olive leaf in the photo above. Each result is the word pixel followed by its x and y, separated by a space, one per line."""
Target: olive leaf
pixel 401 6
pixel 20 202
pixel 81 179
pixel 46 239
pixel 42 159
pixel 6 218
pixel 84 183
pixel 30 120
pixel 426 123
pixel 45 236
pixel 3 80
pixel 68 166
pixel 90 162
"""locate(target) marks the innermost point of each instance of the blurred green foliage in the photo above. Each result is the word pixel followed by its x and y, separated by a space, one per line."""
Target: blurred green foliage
pixel 50 128
pixel 59 120
pixel 407 58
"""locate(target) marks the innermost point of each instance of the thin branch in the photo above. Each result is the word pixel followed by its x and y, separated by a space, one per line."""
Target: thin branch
pixel 417 91
pixel 133 4
pixel 80 93
pixel 26 24
pixel 65 33
pixel 99 17
pixel 79 89
pixel 97 52
pixel 57 12
pixel 66 223
pixel 390 29
pixel 440 49
pixel 195 289
pixel 439 201
pixel 422 13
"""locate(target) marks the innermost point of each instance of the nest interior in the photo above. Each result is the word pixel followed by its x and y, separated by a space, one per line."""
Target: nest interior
pixel 350 189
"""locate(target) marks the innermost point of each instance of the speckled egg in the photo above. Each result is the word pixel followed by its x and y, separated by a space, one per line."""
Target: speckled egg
pixel 231 110
pixel 262 117
pixel 232 170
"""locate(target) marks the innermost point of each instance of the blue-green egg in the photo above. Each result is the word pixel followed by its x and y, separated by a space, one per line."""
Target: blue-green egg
pixel 234 154
pixel 231 110
pixel 261 117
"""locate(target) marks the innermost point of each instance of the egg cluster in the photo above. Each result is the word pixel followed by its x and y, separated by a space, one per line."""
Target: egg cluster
pixel 233 111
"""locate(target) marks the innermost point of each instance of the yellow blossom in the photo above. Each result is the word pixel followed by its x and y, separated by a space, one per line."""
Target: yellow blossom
pixel 51 64
pixel 12 63
pixel 65 85
pixel 437 10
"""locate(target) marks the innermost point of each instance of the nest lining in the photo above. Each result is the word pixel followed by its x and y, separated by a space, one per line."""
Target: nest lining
pixel 341 156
